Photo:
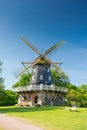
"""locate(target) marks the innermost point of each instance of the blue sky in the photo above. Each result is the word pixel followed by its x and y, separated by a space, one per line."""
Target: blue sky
pixel 43 23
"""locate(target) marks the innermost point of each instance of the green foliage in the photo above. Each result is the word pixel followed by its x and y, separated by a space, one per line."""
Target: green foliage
pixel 71 86
pixel 17 84
pixel 1 83
pixel 24 81
pixel 83 88
pixel 77 95
pixel 60 79
pixel 1 79
pixel 72 95
pixel 9 98
pixel 1 92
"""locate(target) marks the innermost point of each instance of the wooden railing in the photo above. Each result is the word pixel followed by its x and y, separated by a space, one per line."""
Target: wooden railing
pixel 41 87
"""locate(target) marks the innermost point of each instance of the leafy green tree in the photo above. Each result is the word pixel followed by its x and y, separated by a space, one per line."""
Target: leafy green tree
pixel 77 95
pixel 17 84
pixel 83 88
pixel 60 79
pixel 7 97
pixel 1 93
pixel 73 95
pixel 82 101
pixel 1 78
pixel 72 86
pixel 1 83
pixel 24 81
pixel 10 97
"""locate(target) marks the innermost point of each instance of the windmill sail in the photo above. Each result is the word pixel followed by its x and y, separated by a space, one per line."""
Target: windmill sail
pixel 53 47
pixel 41 65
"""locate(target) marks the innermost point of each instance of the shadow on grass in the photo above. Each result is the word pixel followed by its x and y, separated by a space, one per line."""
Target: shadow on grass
pixel 74 111
pixel 11 109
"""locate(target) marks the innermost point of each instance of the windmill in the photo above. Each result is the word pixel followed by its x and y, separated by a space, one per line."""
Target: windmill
pixel 41 65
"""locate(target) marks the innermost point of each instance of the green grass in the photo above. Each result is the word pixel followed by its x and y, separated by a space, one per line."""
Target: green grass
pixel 51 118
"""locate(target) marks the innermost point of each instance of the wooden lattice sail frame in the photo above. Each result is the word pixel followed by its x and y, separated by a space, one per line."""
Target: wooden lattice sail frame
pixel 41 65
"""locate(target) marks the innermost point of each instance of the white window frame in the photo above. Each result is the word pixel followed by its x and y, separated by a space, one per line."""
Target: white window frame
pixel 49 78
pixel 34 69
pixel 41 77
pixel 33 77
pixel 48 70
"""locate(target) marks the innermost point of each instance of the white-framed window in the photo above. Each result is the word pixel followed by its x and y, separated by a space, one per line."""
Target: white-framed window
pixel 49 78
pixel 48 70
pixel 34 69
pixel 41 77
pixel 33 77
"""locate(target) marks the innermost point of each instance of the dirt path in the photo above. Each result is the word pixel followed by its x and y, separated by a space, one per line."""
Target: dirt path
pixel 13 123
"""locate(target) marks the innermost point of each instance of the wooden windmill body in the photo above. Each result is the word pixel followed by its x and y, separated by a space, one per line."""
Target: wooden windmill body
pixel 41 75
pixel 40 90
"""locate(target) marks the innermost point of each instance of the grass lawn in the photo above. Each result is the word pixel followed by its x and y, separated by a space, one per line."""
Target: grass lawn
pixel 51 118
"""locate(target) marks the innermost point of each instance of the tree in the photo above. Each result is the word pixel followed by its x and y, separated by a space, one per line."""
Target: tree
pixel 10 98
pixel 60 79
pixel 1 79
pixel 72 86
pixel 24 81
pixel 77 95
pixel 82 95
pixel 1 83
pixel 83 88
pixel 73 95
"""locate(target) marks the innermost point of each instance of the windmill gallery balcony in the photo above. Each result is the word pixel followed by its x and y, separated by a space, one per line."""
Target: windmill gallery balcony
pixel 41 95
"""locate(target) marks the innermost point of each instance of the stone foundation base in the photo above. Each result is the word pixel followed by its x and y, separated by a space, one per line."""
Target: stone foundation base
pixel 41 97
